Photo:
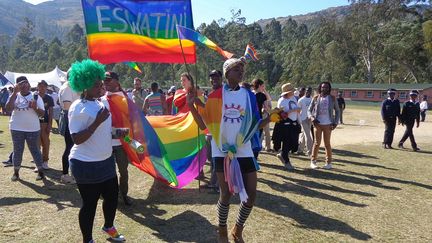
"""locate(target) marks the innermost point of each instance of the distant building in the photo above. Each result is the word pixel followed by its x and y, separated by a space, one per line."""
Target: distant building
pixel 378 92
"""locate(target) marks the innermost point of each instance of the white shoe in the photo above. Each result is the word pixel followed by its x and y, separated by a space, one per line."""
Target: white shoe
pixel 313 164
pixel 45 165
pixel 279 155
pixel 67 179
pixel 36 170
pixel 328 166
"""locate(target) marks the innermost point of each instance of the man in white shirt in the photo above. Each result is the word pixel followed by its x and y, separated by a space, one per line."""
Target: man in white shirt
pixel 306 135
pixel 423 108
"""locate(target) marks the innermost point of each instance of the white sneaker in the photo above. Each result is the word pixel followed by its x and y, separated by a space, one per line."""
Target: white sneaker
pixel 313 164
pixel 67 179
pixel 279 155
pixel 45 165
pixel 328 166
pixel 36 170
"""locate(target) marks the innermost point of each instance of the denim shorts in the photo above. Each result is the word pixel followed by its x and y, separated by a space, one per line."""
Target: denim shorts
pixel 93 172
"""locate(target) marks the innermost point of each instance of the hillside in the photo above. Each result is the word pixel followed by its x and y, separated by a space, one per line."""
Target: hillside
pixel 51 19
pixel 55 18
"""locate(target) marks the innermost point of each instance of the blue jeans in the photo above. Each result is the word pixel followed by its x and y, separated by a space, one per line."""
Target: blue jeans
pixel 32 138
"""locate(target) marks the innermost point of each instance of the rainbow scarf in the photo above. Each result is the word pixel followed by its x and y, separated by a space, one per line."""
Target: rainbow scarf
pixel 174 151
pixel 212 115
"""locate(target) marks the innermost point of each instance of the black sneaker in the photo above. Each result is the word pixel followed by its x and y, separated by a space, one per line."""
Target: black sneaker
pixel 416 149
pixel 7 163
pixel 401 146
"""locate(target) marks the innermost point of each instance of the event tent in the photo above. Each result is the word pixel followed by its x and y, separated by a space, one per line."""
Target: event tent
pixel 56 77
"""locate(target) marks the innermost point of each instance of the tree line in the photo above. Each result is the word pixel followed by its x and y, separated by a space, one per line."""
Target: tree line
pixel 375 42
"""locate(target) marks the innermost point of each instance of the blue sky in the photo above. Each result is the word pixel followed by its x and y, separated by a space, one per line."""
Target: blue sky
pixel 205 11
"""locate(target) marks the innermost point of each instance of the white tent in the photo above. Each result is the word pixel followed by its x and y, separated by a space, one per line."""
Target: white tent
pixel 55 77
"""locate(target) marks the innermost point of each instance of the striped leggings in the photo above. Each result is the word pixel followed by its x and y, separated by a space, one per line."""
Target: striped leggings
pixel 242 216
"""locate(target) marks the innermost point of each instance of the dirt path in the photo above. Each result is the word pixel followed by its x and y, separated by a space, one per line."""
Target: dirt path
pixel 365 126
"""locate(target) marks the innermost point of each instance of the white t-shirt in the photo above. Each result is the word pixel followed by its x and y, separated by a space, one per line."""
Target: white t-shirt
pixel 55 97
pixel 98 147
pixel 423 105
pixel 287 105
pixel 234 104
pixel 304 103
pixel 115 141
pixel 66 94
pixel 323 112
pixel 23 118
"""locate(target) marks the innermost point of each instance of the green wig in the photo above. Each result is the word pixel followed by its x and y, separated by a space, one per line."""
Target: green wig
pixel 83 75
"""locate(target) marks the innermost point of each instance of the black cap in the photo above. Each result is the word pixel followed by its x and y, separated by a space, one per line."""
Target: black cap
pixel 414 92
pixel 111 75
pixel 21 78
pixel 391 91
pixel 43 82
pixel 215 72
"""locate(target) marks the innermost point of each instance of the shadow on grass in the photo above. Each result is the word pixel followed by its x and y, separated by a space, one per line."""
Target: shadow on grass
pixel 312 184
pixel 13 201
pixel 344 161
pixel 61 196
pixel 188 226
pixel 383 178
pixel 307 192
pixel 305 218
pixel 351 154
pixel 329 175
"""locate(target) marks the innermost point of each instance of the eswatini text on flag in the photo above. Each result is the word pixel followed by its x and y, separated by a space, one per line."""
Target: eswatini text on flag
pixel 137 30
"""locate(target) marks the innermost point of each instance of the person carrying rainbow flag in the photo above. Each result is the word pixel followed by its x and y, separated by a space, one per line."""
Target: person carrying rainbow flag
pixel 231 116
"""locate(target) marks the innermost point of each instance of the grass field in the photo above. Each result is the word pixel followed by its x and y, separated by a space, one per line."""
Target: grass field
pixel 371 195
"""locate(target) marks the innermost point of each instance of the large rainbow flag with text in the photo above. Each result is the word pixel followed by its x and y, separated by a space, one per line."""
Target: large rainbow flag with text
pixel 138 30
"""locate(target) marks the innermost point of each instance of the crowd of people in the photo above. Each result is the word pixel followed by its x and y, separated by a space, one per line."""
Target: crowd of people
pixel 242 112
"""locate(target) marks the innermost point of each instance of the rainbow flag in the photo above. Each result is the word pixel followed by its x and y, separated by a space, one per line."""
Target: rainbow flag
pixel 142 31
pixel 251 53
pixel 134 66
pixel 174 151
pixel 189 34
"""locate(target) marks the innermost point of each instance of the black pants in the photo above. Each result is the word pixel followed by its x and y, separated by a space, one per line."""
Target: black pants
pixel 390 125
pixel 90 194
pixel 341 116
pixel 409 134
pixel 122 162
pixel 68 145
pixel 423 115
pixel 286 136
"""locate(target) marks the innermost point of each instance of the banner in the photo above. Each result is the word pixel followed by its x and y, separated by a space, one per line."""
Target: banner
pixel 137 30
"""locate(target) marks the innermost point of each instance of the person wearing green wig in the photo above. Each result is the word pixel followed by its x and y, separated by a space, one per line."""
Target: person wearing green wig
pixel 90 158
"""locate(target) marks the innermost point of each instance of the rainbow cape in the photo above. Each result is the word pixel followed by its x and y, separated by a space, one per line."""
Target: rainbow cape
pixel 174 151
pixel 212 115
